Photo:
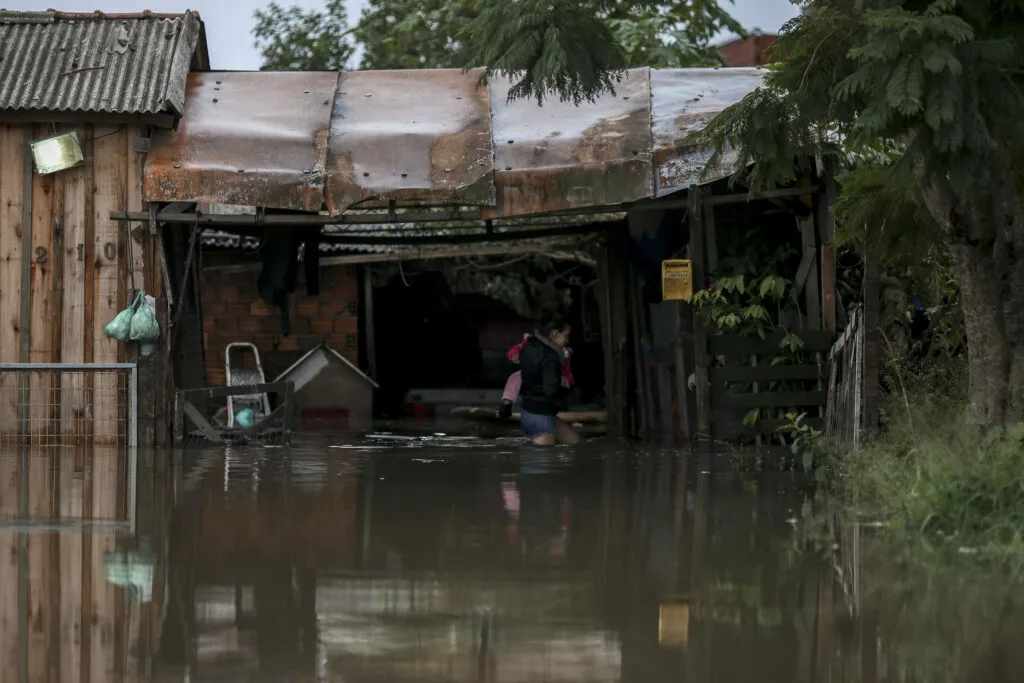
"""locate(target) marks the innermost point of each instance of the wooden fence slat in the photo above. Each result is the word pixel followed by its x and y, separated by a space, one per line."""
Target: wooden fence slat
pixel 765 373
pixel 109 170
pixel 12 140
pixel 73 315
pixel 42 393
pixel 779 399
pixel 730 345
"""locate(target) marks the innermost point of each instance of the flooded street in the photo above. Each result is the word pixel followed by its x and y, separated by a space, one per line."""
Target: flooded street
pixel 458 559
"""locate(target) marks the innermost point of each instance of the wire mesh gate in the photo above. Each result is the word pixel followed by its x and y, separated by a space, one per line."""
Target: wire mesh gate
pixel 69 404
pixel 85 412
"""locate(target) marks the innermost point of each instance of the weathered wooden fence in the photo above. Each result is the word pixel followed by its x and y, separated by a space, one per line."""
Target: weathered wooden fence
pixel 749 376
pixel 844 414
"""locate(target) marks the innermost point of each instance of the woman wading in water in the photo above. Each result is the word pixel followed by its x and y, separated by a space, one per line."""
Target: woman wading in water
pixel 544 387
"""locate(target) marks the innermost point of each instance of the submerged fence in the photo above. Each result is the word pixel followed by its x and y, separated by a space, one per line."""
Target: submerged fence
pixel 844 412
pixel 68 404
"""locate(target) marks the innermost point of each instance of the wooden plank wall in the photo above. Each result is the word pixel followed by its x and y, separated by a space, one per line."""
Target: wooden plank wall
pixel 12 140
pixel 81 267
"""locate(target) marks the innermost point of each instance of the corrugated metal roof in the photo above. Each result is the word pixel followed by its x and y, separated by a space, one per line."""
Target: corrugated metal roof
pixel 560 156
pixel 634 144
pixel 114 64
pixel 249 138
pixel 683 101
pixel 410 135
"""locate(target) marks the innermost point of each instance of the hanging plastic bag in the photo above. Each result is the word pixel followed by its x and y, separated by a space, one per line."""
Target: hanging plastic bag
pixel 148 348
pixel 145 328
pixel 121 326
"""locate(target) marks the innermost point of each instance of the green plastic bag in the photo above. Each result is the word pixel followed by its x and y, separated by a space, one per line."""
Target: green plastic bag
pixel 145 328
pixel 120 327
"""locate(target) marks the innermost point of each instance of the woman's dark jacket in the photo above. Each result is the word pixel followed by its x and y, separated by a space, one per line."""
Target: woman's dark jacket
pixel 541 392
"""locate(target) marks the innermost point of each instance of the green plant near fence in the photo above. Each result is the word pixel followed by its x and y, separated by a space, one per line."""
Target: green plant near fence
pixel 758 364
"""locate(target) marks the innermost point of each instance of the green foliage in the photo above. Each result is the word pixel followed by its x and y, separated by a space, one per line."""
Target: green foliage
pixel 574 49
pixel 294 39
pixel 750 292
pixel 938 84
pixel 416 34
pixel 806 442
pixel 670 35
pixel 547 46
pixel 577 49
pixel 935 478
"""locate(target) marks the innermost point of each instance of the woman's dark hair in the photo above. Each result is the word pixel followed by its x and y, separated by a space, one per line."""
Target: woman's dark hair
pixel 550 322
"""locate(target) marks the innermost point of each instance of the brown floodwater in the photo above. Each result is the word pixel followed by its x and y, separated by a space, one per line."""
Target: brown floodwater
pixel 435 558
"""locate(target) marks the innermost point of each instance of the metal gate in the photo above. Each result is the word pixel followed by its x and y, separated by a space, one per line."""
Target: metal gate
pixel 69 404
pixel 84 411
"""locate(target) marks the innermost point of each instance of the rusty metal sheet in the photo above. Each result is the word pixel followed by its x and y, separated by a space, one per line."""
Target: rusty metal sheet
pixel 683 101
pixel 422 135
pixel 248 138
pixel 560 156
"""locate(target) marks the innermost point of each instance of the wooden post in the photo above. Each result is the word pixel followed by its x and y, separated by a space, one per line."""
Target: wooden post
pixel 645 402
pixel 711 237
pixel 74 182
pixel 828 288
pixel 368 321
pixel 700 338
pixel 612 301
pixel 809 240
pixel 25 314
pixel 110 166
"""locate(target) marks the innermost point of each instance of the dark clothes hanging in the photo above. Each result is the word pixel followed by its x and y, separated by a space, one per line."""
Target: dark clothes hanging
pixel 281 265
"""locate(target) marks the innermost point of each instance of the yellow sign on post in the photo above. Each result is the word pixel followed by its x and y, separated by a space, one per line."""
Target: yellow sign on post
pixel 676 280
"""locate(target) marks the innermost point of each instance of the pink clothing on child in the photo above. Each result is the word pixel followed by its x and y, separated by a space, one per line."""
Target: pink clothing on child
pixel 511 393
pixel 567 379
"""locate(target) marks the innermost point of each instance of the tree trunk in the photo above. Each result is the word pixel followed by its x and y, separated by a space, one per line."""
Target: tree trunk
pixel 985 232
pixel 988 353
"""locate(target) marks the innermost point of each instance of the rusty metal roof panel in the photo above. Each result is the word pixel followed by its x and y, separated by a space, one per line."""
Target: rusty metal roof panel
pixel 114 64
pixel 435 136
pixel 421 135
pixel 248 138
pixel 560 156
pixel 683 101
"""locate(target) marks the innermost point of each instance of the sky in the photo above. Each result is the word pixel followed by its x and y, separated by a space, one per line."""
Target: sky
pixel 229 22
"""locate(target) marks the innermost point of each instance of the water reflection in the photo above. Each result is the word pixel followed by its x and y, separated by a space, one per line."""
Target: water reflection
pixel 450 560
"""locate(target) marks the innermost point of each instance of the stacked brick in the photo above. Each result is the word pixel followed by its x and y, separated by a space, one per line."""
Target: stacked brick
pixel 234 312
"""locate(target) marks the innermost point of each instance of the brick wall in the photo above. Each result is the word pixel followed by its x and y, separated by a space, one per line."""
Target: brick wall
pixel 234 312
pixel 747 51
